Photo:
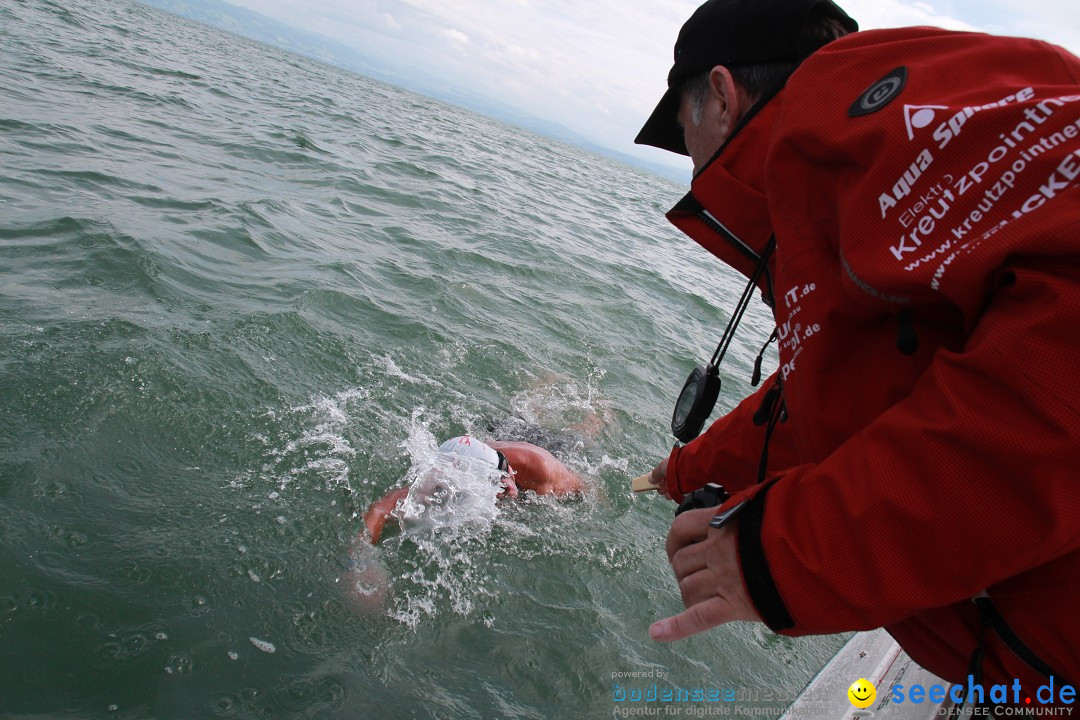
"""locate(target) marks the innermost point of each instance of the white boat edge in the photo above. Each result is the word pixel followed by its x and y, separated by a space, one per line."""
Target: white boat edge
pixel 872 656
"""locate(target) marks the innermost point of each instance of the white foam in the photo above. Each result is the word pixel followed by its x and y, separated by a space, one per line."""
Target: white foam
pixel 393 370
pixel 265 645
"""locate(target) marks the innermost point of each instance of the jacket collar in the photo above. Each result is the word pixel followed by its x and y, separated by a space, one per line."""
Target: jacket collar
pixel 726 211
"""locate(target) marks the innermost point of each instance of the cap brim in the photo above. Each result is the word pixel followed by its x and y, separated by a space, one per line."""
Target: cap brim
pixel 662 129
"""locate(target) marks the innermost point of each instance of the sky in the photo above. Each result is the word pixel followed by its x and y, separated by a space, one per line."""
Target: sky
pixel 598 67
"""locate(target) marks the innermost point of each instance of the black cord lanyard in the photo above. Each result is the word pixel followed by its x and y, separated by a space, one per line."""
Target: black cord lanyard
pixel 744 302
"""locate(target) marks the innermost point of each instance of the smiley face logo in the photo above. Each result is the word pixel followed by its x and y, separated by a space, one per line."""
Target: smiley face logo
pixel 862 693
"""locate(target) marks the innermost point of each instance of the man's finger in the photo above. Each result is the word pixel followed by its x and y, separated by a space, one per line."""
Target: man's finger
pixel 690 527
pixel 692 621
pixel 658 474
pixel 689 560
pixel 697 588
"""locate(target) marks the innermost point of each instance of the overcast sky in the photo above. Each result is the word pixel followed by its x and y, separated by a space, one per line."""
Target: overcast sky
pixel 598 66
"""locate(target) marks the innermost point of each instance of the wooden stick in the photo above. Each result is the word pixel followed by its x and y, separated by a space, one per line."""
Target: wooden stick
pixel 643 483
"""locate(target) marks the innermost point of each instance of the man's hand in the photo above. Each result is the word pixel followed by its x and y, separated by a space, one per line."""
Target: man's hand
pixel 706 567
pixel 659 478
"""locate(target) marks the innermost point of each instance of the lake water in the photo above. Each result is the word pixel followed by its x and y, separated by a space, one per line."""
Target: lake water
pixel 242 296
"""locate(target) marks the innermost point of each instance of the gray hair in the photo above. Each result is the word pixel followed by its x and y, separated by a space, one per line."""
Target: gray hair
pixel 758 78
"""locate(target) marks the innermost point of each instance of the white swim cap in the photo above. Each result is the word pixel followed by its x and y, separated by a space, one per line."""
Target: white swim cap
pixel 473 449
pixel 470 447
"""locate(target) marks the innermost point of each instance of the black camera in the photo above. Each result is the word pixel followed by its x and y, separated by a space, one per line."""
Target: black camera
pixel 711 495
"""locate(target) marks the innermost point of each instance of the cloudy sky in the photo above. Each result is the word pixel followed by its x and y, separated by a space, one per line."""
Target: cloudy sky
pixel 598 66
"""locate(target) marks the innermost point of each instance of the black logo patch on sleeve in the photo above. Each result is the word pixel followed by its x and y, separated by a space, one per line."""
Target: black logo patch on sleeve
pixel 880 94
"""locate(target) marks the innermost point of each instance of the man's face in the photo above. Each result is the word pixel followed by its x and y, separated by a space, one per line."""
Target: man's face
pixel 510 488
pixel 719 110
pixel 705 138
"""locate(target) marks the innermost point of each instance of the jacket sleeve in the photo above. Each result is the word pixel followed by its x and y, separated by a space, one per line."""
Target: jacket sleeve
pixel 968 481
pixel 729 452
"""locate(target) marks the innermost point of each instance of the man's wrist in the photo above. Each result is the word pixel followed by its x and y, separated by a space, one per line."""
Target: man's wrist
pixel 757 576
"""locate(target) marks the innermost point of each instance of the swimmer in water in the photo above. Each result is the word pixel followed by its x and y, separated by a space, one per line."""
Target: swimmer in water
pixel 523 467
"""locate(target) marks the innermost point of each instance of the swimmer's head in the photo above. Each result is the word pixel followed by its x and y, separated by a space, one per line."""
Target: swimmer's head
pixel 474 449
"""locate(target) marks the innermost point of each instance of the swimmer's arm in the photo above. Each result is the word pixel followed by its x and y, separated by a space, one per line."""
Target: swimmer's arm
pixel 538 470
pixel 550 478
pixel 567 483
pixel 379 512
pixel 364 580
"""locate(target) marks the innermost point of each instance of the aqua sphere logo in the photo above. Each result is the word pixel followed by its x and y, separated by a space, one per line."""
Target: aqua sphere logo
pixel 917 117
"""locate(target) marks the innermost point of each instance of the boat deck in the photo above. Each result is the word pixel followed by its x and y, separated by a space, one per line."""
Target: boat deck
pixel 872 656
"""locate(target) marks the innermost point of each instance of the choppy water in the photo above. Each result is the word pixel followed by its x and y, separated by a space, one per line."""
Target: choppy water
pixel 241 294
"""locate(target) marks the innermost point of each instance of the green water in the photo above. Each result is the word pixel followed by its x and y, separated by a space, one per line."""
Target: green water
pixel 241 294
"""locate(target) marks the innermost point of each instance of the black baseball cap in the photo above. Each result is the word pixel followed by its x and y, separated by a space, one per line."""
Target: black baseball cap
pixel 734 32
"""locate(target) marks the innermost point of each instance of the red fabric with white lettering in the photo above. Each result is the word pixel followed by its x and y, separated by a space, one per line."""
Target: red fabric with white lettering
pixel 909 483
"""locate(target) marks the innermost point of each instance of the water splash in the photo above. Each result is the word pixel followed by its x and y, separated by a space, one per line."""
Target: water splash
pixel 309 443
pixel 391 368
pixel 451 496
pixel 553 401
pixel 445 523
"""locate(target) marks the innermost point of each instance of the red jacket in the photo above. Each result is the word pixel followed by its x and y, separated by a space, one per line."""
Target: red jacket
pixel 927 297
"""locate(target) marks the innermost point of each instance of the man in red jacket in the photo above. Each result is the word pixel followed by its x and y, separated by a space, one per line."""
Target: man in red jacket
pixel 908 199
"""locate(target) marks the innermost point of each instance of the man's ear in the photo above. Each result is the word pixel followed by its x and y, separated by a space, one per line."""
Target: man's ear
pixel 722 86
